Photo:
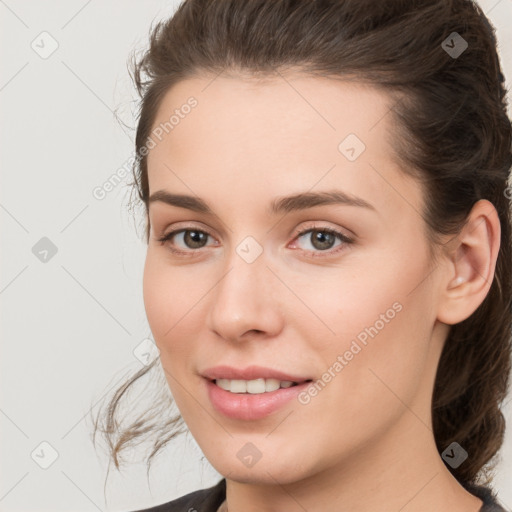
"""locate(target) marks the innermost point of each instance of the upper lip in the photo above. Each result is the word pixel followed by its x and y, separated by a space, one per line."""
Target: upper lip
pixel 249 373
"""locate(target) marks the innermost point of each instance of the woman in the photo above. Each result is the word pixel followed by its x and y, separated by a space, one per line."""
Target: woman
pixel 328 271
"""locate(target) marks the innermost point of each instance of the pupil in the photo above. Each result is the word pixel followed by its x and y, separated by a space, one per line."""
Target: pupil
pixel 320 237
pixel 194 237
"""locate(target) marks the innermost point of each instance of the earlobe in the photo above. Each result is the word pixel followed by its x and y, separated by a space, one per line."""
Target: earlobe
pixel 471 264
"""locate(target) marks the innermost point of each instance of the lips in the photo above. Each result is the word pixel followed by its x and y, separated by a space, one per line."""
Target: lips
pixel 248 407
pixel 251 373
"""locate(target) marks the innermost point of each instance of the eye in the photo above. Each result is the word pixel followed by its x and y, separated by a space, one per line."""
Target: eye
pixel 323 238
pixel 193 239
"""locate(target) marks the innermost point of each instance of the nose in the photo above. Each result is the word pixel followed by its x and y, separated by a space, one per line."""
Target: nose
pixel 245 301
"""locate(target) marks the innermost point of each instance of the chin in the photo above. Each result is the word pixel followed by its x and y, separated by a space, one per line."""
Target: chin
pixel 264 475
pixel 263 472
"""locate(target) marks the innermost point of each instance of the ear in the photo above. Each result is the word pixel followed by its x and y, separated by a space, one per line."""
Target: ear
pixel 470 264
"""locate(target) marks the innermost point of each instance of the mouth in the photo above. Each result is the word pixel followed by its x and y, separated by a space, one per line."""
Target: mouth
pixel 255 386
pixel 251 400
pixel 252 374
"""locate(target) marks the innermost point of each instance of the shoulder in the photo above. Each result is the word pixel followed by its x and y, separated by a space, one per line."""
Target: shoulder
pixel 488 496
pixel 204 500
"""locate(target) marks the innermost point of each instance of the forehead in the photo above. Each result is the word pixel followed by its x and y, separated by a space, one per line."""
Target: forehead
pixel 275 110
pixel 285 134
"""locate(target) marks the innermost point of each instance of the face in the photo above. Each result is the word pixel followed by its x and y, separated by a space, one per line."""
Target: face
pixel 340 294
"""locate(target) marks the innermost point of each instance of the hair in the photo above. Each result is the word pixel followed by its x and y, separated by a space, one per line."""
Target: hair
pixel 452 133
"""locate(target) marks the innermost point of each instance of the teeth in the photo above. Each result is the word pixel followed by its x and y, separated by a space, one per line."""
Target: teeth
pixel 255 386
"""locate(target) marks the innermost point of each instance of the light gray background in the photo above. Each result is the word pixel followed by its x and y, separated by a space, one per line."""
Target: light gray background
pixel 70 326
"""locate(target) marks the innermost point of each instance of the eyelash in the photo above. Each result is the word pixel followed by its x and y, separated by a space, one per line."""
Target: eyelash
pixel 315 254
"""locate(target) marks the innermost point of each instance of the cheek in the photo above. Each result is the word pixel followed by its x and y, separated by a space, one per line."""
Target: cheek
pixel 166 301
pixel 381 322
pixel 169 298
pixel 158 298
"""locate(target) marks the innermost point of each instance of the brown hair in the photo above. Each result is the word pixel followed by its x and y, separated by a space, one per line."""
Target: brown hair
pixel 452 133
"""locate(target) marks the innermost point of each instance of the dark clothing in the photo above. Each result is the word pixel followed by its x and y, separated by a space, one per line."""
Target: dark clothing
pixel 209 500
pixel 488 496
pixel 204 500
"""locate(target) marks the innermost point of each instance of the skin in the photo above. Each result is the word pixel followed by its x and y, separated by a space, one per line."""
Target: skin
pixel 365 442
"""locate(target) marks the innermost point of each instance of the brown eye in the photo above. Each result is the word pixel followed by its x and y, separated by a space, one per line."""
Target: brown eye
pixel 322 239
pixel 191 239
pixel 195 239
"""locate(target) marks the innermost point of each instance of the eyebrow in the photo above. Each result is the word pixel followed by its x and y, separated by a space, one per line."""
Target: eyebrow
pixel 286 204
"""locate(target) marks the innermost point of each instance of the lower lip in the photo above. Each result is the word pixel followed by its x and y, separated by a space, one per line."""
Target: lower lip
pixel 247 406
